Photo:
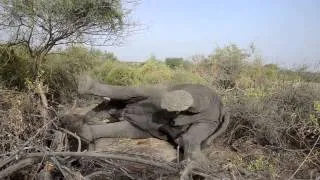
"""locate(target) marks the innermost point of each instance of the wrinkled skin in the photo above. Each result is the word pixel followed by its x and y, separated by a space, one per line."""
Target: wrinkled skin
pixel 143 117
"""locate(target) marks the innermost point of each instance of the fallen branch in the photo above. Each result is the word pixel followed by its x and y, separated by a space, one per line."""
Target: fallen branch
pixel 14 154
pixel 97 173
pixel 32 158
pixel 161 165
pixel 14 168
pixel 73 135
pixel 187 171
pixel 305 159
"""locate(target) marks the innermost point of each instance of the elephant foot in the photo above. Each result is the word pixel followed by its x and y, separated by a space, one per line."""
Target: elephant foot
pixel 193 160
pixel 187 172
pixel 86 133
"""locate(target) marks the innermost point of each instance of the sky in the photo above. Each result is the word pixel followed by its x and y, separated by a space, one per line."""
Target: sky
pixel 286 32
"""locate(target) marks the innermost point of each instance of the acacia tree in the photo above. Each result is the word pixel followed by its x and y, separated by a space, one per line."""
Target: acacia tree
pixel 41 25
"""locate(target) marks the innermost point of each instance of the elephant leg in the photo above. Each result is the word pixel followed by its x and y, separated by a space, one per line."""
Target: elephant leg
pixel 192 139
pixel 87 85
pixel 122 129
pixel 191 142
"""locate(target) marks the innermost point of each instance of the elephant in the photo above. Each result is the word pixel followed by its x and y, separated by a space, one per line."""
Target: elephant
pixel 190 116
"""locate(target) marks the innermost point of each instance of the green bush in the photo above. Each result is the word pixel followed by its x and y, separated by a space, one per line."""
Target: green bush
pixel 223 67
pixel 122 74
pixel 61 70
pixel 103 68
pixel 15 67
pixel 154 72
pixel 174 63
pixel 284 117
pixel 183 76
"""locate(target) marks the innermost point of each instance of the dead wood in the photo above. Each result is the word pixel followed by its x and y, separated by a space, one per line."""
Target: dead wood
pixel 75 136
pixel 150 147
pixel 97 173
pixel 33 158
pixel 163 165
pixel 14 154
pixel 17 166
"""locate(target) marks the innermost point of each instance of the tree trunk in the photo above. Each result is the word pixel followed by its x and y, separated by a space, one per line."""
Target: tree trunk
pixel 151 147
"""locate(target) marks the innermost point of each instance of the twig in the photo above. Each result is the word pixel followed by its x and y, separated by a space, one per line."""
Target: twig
pixel 207 176
pixel 57 163
pixel 74 175
pixel 13 156
pixel 44 101
pixel 247 173
pixel 8 160
pixel 185 174
pixel 14 168
pixel 305 159
pixel 237 128
pixel 39 166
pixel 178 154
pixel 97 173
pixel 161 165
pixel 71 175
pixel 73 135
pixel 123 169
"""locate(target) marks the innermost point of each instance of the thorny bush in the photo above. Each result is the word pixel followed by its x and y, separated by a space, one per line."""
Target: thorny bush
pixel 19 119
pixel 286 120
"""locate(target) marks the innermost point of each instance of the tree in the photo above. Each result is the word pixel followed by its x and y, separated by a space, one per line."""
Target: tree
pixel 40 25
pixel 229 62
pixel 174 62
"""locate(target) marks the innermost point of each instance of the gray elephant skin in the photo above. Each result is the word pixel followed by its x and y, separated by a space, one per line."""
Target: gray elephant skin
pixel 192 122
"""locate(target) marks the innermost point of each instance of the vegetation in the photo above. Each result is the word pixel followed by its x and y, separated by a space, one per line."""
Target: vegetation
pixel 276 108
pixel 41 25
pixel 174 62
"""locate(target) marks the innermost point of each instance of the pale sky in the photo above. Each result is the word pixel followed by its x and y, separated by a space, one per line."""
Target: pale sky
pixel 284 31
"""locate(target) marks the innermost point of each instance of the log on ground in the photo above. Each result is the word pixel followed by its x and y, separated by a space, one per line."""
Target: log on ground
pixel 150 147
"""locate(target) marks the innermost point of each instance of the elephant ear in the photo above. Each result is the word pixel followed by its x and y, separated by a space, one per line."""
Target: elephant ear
pixel 177 100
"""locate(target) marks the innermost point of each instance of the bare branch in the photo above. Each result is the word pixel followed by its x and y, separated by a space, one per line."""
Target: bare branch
pixel 161 165
pixel 73 135
pixel 44 24
pixel 14 168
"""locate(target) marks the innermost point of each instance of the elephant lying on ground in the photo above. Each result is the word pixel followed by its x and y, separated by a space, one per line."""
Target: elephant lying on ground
pixel 188 115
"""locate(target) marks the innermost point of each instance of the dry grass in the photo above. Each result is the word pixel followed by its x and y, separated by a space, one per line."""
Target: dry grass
pixel 285 123
pixel 274 131
pixel 19 119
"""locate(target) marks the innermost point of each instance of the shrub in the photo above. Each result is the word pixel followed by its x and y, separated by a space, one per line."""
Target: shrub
pixel 61 70
pixel 229 61
pixel 280 118
pixel 154 72
pixel 122 74
pixel 19 120
pixel 182 76
pixel 222 68
pixel 174 63
pixel 15 67
pixel 101 71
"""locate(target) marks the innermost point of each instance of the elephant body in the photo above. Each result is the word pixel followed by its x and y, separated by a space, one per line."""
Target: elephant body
pixel 144 116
